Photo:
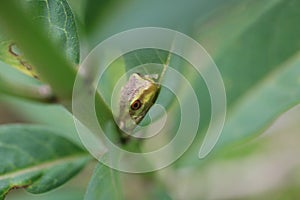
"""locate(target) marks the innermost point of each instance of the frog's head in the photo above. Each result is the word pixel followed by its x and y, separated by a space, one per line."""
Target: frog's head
pixel 137 97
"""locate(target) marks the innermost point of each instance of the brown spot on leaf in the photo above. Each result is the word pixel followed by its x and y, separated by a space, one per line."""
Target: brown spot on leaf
pixel 12 50
pixel 26 65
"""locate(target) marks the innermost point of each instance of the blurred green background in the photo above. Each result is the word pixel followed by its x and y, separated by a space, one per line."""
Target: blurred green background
pixel 255 44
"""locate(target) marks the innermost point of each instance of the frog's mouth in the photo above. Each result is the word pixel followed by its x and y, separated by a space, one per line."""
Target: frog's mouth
pixel 127 124
pixel 138 119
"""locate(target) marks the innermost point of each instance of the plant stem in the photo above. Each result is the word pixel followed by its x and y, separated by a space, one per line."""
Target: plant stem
pixel 40 93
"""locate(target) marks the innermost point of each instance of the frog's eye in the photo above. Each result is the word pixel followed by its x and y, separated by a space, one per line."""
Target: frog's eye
pixel 136 105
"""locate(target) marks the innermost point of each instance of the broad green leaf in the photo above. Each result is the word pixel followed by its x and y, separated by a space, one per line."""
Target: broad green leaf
pixel 63 193
pixel 36 159
pixel 58 21
pixel 130 62
pixel 258 62
pixel 255 46
pixel 104 184
pixel 58 118
pixel 274 95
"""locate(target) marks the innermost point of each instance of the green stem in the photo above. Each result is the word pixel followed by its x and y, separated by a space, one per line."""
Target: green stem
pixel 166 64
pixel 40 93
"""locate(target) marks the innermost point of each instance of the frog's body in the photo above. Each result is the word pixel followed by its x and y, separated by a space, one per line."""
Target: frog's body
pixel 137 97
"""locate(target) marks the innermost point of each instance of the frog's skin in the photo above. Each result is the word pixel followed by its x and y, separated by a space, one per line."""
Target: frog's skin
pixel 137 97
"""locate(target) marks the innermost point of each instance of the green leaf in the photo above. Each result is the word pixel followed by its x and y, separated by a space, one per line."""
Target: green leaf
pixel 104 184
pixel 36 159
pixel 255 46
pixel 270 98
pixel 64 193
pixel 258 62
pixel 58 21
pixel 130 61
pixel 10 54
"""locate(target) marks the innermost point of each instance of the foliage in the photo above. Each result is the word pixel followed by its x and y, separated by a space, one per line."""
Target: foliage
pixel 255 45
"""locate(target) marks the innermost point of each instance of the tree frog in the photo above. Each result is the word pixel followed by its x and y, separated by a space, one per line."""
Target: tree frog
pixel 137 96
